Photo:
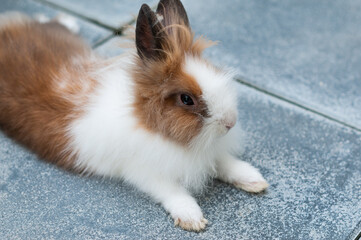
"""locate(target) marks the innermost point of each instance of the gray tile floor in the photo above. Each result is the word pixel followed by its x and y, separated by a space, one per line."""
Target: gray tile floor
pixel 300 87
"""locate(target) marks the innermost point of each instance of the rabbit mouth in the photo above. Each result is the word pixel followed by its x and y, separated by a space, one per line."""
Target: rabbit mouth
pixel 223 129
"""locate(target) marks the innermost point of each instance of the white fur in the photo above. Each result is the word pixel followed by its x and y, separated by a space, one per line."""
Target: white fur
pixel 160 17
pixel 218 91
pixel 109 142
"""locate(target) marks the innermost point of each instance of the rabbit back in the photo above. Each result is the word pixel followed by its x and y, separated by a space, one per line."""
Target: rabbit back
pixel 41 68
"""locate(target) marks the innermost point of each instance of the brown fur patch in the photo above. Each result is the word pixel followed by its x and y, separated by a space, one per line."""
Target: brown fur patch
pixel 157 107
pixel 34 109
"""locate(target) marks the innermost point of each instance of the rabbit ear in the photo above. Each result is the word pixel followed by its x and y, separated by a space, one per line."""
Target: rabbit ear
pixel 149 34
pixel 172 12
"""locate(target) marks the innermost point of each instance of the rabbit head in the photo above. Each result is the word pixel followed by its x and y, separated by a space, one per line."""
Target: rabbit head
pixel 177 92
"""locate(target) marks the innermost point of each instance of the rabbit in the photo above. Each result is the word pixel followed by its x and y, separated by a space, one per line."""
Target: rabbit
pixel 161 117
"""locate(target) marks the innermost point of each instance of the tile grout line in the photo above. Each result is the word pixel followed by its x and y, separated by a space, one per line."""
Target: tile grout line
pixel 356 233
pixel 115 31
pixel 118 32
pixel 257 88
pixel 103 41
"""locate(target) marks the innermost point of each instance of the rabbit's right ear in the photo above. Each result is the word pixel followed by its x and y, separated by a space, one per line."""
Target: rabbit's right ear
pixel 173 12
pixel 149 34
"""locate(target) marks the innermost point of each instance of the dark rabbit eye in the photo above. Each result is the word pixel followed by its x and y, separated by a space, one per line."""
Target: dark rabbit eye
pixel 186 99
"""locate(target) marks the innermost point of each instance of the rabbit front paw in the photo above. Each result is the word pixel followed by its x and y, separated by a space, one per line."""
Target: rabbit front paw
pixel 191 225
pixel 250 180
pixel 252 187
pixel 187 214
pixel 241 174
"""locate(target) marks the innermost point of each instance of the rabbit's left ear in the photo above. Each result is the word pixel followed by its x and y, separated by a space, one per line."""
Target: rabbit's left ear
pixel 149 34
pixel 172 12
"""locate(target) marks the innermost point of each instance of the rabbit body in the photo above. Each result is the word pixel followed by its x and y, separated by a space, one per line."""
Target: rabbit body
pixel 163 121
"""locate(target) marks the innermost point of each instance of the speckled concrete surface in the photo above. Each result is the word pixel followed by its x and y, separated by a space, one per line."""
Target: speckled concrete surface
pixel 313 165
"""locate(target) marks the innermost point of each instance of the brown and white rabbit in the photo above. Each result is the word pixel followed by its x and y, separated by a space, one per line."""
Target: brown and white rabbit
pixel 161 118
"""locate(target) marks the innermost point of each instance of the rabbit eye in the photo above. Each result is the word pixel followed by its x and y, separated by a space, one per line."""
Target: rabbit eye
pixel 186 99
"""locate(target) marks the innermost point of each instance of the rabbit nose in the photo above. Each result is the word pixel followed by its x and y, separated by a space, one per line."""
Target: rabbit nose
pixel 229 121
pixel 230 125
